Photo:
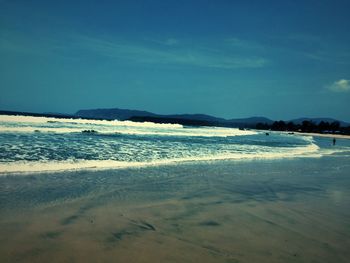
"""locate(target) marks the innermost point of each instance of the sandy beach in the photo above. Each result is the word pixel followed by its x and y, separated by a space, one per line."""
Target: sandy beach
pixel 157 131
pixel 251 211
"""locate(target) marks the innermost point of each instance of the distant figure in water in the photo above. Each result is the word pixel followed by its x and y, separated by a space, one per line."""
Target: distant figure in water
pixel 334 140
pixel 267 134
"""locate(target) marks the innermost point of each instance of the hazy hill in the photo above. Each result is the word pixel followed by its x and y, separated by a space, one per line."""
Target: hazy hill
pixel 124 114
pixel 112 114
pixel 186 119
pixel 199 117
pixel 252 120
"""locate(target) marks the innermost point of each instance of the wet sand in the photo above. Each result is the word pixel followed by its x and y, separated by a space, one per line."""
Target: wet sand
pixel 253 211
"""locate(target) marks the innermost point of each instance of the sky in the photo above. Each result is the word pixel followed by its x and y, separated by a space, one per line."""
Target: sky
pixel 232 59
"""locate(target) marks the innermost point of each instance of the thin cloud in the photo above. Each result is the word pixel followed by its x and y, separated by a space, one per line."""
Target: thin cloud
pixel 137 52
pixel 336 56
pixel 143 53
pixel 244 44
pixel 311 47
pixel 165 42
pixel 171 41
pixel 342 85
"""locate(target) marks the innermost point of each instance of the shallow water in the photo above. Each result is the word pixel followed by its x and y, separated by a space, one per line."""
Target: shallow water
pixel 38 144
pixel 293 210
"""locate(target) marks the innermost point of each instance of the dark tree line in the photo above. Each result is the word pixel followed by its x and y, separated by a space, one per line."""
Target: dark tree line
pixel 305 126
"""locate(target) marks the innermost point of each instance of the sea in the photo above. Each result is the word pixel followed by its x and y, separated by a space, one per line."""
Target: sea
pixel 41 144
pixel 79 190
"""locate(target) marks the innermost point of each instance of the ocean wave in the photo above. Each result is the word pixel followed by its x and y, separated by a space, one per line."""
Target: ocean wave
pixel 41 144
pixel 25 167
pixel 27 124
pixel 51 120
pixel 195 132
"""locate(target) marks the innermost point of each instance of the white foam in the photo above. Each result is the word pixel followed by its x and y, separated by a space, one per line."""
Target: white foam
pixel 29 129
pixel 21 167
pixel 196 132
pixel 45 120
pixel 174 152
pixel 25 124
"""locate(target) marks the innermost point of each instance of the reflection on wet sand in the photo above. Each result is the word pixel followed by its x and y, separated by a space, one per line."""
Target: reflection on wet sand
pixel 259 211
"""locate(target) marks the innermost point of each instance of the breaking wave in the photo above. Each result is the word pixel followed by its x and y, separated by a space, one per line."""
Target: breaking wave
pixel 40 144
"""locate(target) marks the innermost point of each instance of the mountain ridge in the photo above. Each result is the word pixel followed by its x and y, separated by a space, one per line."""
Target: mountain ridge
pixel 203 119
pixel 138 115
pixel 186 119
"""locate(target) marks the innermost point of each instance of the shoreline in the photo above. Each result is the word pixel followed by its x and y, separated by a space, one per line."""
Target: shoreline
pixel 206 212
pixel 325 135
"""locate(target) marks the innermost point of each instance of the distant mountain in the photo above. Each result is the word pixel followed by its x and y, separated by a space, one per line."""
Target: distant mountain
pixel 112 114
pixel 198 117
pixel 252 120
pixel 186 119
pixel 318 120
pixel 125 114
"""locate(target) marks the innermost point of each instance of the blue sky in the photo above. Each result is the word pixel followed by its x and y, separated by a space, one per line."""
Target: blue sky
pixel 279 59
